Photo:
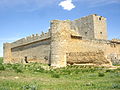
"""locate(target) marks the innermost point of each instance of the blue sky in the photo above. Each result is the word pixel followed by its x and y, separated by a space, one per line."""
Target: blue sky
pixel 21 18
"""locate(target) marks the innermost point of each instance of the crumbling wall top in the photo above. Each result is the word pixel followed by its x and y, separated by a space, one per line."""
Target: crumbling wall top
pixel 30 39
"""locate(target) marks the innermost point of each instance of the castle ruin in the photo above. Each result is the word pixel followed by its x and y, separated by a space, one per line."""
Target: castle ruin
pixel 82 41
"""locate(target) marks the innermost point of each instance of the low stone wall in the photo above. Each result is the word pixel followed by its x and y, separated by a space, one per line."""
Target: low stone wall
pixel 87 57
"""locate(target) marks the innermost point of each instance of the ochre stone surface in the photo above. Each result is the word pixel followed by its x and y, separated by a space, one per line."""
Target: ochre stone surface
pixel 82 41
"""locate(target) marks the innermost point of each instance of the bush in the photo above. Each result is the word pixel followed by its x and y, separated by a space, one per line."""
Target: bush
pixel 55 75
pixel 89 84
pixel 2 67
pixel 108 70
pixel 38 69
pixel 116 86
pixel 29 87
pixel 100 74
pixel 8 66
pixel 17 68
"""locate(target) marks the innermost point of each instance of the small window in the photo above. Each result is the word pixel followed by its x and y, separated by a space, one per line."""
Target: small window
pixel 85 33
pixel 100 32
pixel 100 18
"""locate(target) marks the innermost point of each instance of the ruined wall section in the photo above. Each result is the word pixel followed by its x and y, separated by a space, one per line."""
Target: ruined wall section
pixel 86 45
pixel 96 57
pixel 115 57
pixel 84 26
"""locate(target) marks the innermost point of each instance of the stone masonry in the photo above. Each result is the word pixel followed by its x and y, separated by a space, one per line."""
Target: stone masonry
pixel 82 41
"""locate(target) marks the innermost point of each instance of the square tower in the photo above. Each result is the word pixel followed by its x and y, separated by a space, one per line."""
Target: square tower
pixel 100 27
pixel 91 27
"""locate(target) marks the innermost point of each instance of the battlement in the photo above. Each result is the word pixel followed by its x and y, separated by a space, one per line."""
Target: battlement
pixel 30 39
pixel 115 41
pixel 92 15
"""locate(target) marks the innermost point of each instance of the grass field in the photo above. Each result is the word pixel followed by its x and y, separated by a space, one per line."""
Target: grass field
pixel 34 77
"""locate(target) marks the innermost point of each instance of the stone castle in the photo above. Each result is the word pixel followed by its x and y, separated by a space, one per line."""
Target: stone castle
pixel 82 41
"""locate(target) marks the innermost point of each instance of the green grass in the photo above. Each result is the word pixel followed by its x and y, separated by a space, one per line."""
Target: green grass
pixel 34 77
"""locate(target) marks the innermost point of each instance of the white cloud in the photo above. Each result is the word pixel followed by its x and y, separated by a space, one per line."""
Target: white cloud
pixel 67 5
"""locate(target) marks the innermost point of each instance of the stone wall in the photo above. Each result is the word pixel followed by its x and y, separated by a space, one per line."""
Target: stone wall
pixel 36 48
pixel 97 57
pixel 91 27
pixel 64 41
pixel 84 26
pixel 7 54
pixel 37 51
pixel 110 49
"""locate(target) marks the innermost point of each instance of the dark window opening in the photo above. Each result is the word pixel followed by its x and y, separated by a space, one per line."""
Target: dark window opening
pixel 100 18
pixel 46 58
pixel 85 33
pixel 76 37
pixel 114 45
pixel 100 32
pixel 26 60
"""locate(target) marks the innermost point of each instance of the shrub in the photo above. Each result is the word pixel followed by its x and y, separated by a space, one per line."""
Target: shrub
pixel 100 74
pixel 18 70
pixel 38 69
pixel 2 67
pixel 89 84
pixel 55 75
pixel 108 70
pixel 29 87
pixel 116 86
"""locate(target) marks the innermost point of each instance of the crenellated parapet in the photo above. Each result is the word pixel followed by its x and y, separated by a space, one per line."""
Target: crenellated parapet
pixel 115 40
pixel 31 39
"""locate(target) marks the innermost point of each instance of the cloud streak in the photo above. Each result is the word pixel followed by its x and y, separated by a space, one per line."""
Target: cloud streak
pixel 67 5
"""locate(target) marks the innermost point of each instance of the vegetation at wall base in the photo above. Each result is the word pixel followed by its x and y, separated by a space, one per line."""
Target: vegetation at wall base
pixel 1 59
pixel 36 76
